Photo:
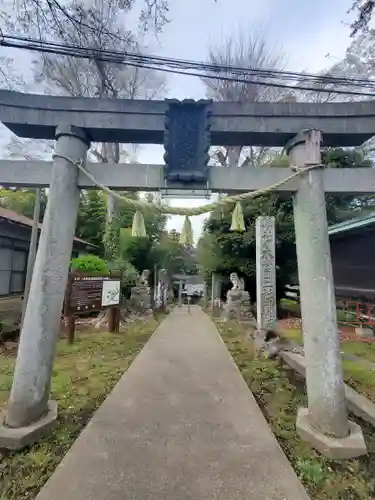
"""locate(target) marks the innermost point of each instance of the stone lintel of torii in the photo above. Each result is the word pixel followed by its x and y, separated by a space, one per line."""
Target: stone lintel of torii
pixel 148 177
pixel 269 124
pixel 325 422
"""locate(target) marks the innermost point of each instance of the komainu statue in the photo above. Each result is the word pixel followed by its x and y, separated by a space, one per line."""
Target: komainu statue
pixel 238 301
pixel 143 279
pixel 140 299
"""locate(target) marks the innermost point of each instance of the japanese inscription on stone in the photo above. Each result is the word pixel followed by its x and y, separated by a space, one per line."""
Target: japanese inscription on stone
pixel 187 141
pixel 266 272
pixel 91 293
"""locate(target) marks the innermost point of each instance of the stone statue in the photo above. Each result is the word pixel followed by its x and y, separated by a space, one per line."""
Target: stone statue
pixel 140 298
pixel 143 280
pixel 238 301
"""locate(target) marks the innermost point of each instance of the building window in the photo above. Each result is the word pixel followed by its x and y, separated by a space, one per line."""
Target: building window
pixel 17 281
pixel 5 270
pixel 12 270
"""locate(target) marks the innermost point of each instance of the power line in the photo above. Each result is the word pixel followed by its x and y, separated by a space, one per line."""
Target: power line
pixel 193 64
pixel 186 64
pixel 170 65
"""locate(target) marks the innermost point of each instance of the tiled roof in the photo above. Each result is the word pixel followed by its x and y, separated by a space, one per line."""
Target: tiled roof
pixel 356 223
pixel 26 221
pixel 195 279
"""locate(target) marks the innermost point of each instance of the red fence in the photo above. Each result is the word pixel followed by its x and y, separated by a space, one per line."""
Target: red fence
pixel 351 314
pixel 354 314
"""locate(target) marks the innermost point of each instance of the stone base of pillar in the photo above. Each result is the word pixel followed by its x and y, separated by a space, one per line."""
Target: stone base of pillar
pixel 334 448
pixel 20 437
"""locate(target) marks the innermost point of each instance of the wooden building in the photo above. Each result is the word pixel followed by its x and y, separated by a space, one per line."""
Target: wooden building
pixel 15 235
pixel 353 257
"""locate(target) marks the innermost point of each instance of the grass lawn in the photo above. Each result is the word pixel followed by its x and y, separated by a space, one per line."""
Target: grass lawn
pixel 362 349
pixel 83 375
pixel 279 392
pixel 356 374
pixel 291 306
pixel 294 308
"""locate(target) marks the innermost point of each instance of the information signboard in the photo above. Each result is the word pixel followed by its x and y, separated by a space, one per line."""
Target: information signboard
pixel 91 293
pixel 87 293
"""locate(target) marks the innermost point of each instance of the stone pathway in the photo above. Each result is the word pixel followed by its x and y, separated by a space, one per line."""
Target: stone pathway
pixel 181 424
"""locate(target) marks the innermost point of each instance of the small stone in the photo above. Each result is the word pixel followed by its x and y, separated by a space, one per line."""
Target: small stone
pixel 364 332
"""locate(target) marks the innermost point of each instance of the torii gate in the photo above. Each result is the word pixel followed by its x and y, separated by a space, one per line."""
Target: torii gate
pixel 187 133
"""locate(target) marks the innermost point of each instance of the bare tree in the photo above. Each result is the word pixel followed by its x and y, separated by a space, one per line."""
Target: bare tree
pixel 365 10
pixel 358 63
pixel 153 15
pixel 101 23
pixel 102 28
pixel 244 49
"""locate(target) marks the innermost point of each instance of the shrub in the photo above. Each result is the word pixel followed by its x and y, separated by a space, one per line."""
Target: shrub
pixel 89 263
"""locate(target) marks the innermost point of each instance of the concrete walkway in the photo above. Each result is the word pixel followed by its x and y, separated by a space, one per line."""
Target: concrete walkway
pixel 181 424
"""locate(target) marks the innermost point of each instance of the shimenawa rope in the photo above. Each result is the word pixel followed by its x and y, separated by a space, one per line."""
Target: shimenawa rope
pixel 189 212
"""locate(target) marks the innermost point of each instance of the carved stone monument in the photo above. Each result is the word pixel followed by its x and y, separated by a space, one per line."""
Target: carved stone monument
pixel 238 301
pixel 140 298
pixel 266 274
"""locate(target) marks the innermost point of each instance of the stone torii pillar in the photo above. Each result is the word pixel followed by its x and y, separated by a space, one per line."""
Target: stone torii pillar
pixel 324 424
pixel 29 411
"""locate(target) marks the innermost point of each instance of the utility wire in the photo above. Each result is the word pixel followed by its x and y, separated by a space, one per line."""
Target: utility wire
pixel 191 64
pixel 188 64
pixel 184 63
pixel 177 66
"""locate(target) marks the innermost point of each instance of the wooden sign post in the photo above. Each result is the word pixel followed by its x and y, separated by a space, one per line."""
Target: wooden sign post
pixel 87 293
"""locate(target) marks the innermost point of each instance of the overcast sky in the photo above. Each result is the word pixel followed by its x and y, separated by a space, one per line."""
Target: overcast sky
pixel 305 30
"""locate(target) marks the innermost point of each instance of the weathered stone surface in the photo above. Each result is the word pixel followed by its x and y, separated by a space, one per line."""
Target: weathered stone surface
pixel 245 307
pixel 358 404
pixel 295 361
pixel 20 437
pixel 232 123
pixel 186 141
pixel 146 177
pixel 237 305
pixel 265 273
pixel 31 383
pixel 334 448
pixel 140 298
pixel 324 377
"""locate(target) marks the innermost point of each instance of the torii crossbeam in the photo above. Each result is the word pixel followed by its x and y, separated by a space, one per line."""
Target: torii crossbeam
pixel 143 122
pixel 144 177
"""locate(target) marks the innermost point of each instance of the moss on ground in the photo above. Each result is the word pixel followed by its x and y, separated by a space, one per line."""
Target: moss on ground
pixel 365 350
pixel 357 374
pixel 279 392
pixel 83 375
pixel 360 377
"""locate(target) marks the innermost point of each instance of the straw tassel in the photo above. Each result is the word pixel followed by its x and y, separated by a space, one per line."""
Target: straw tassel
pixel 186 237
pixel 138 226
pixel 238 223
